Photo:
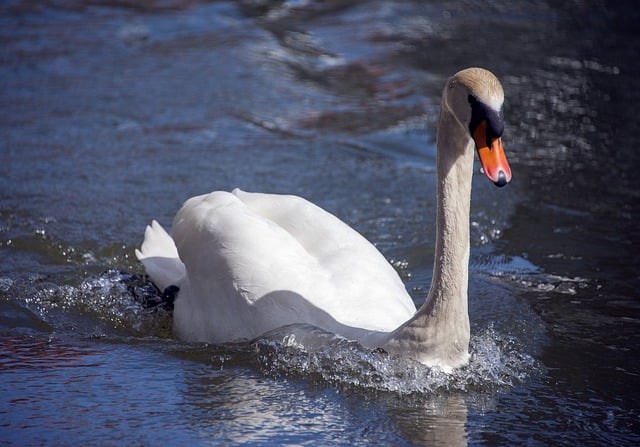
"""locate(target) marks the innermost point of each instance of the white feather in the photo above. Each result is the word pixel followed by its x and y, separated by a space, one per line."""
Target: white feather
pixel 160 258
pixel 248 263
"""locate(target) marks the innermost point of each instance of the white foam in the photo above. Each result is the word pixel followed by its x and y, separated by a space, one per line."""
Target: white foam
pixel 497 360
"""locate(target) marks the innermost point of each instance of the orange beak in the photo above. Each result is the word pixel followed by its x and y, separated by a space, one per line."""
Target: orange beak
pixel 492 158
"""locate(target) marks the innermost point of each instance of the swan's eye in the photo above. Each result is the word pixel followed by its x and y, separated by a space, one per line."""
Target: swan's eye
pixel 481 112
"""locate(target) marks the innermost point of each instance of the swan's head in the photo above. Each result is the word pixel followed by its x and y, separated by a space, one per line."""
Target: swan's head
pixel 475 98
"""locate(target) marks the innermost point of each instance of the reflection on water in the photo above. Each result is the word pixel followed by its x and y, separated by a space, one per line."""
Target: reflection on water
pixel 105 388
pixel 275 388
pixel 54 393
pixel 115 113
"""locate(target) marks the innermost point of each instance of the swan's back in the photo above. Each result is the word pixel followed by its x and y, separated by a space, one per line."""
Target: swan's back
pixel 256 262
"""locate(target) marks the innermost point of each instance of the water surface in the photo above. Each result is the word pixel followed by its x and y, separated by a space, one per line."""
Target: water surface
pixel 114 113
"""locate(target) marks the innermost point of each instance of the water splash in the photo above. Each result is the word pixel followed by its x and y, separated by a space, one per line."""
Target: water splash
pixel 98 306
pixel 497 361
pixel 116 301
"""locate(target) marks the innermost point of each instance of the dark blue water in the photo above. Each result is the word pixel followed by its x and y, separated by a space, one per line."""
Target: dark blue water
pixel 113 113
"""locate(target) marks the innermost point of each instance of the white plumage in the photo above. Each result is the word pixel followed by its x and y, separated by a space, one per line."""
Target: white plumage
pixel 257 262
pixel 247 263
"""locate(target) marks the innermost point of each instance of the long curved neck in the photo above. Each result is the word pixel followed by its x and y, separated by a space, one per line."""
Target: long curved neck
pixel 448 291
pixel 438 334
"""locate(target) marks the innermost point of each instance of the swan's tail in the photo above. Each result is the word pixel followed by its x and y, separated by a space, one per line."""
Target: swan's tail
pixel 159 256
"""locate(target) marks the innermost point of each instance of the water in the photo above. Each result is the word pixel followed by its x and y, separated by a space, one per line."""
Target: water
pixel 113 113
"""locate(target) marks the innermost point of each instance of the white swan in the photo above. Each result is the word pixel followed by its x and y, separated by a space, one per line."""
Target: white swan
pixel 247 263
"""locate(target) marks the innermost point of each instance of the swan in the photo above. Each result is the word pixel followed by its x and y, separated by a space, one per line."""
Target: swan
pixel 248 263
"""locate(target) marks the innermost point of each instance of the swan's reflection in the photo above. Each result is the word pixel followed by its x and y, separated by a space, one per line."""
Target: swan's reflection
pixel 435 421
pixel 239 405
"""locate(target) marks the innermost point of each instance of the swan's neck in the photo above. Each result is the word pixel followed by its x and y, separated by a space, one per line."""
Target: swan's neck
pixel 448 293
pixel 438 334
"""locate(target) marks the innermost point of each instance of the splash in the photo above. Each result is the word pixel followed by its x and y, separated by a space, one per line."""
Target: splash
pixel 114 301
pixel 496 361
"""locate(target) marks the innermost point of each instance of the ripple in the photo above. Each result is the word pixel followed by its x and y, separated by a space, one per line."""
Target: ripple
pixel 523 273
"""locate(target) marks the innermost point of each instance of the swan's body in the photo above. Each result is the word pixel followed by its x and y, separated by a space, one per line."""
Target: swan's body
pixel 247 263
pixel 255 262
